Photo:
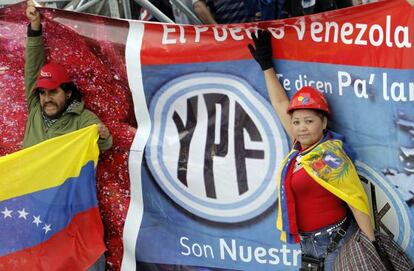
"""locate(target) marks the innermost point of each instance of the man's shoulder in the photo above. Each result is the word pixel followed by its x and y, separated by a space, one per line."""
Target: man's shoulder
pixel 88 112
pixel 89 115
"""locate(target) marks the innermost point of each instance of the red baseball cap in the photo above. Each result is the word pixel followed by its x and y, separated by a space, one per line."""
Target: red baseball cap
pixel 51 76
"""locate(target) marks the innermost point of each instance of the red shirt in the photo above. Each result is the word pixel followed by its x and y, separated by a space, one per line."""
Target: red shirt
pixel 315 206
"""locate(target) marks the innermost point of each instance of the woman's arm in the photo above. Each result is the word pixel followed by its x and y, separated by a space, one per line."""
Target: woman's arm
pixel 364 223
pixel 278 98
pixel 262 53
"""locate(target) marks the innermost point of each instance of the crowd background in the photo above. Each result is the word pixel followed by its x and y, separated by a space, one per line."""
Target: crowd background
pixel 198 11
pixel 240 11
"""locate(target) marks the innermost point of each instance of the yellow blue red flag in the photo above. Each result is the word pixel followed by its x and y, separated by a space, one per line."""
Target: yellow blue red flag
pixel 49 218
pixel 329 164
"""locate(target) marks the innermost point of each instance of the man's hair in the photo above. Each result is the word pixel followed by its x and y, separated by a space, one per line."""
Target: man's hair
pixel 76 93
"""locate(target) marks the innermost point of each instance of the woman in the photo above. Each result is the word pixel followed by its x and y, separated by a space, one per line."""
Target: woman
pixel 319 183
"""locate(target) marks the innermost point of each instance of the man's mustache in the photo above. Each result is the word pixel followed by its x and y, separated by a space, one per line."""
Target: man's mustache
pixel 46 104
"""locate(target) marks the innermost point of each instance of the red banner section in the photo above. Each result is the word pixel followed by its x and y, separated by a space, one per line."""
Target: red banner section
pixel 355 36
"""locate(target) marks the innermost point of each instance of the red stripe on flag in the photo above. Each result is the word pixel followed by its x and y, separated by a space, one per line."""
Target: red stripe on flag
pixel 76 247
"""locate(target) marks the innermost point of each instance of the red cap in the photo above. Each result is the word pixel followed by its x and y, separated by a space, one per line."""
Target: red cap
pixel 308 98
pixel 51 76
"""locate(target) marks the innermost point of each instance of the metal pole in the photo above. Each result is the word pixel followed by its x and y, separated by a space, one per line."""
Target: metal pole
pixel 11 2
pixel 80 3
pixel 114 8
pixel 100 7
pixel 36 4
pixel 193 18
pixel 87 5
pixel 154 11
pixel 127 9
pixel 71 5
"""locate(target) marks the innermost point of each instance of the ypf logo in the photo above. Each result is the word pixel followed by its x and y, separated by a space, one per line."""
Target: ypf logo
pixel 215 146
pixel 390 213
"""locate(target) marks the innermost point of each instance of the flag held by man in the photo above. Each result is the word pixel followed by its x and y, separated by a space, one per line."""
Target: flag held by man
pixel 49 218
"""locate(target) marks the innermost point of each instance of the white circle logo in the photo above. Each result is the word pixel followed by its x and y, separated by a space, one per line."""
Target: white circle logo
pixel 215 146
pixel 388 210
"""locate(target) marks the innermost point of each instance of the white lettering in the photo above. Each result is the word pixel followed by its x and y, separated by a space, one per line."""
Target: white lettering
pixel 384 87
pixel 233 33
pixel 249 31
pixel 388 31
pixel 165 39
pixel 344 80
pixel 335 27
pixel 225 248
pixel 273 254
pixel 376 28
pixel 319 85
pixel 285 252
pixel 362 28
pixel 382 34
pixel 198 31
pixel 184 245
pixel 245 258
pixel 303 81
pixel 296 255
pixel 397 90
pixel 196 248
pixel 277 33
pixel 300 31
pixel 182 38
pixel 217 36
pixel 346 30
pixel 405 42
pixel 316 28
pixel 398 87
pixel 259 253
pixel 360 88
pixel 411 91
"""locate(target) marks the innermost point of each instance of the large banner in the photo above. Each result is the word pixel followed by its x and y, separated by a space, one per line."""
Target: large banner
pixel 204 161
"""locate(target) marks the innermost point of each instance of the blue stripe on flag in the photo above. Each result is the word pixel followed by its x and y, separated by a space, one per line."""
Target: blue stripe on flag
pixel 28 220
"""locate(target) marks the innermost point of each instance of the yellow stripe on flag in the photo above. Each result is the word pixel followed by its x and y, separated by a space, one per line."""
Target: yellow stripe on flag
pixel 47 164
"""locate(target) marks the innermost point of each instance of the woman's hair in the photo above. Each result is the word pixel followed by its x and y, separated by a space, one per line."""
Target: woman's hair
pixel 76 94
pixel 321 114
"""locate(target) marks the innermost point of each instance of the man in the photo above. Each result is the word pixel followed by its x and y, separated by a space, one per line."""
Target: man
pixel 54 102
pixel 222 11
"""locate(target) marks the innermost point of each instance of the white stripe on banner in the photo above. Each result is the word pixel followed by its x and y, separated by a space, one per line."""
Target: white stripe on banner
pixel 136 207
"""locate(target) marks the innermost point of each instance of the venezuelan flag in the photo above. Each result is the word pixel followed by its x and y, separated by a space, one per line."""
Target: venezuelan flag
pixel 49 218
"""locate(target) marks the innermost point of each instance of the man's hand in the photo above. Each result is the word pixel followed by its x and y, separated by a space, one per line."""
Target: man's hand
pixel 33 15
pixel 103 131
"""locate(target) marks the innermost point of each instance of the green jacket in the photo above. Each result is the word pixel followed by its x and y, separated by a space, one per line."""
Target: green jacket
pixel 75 118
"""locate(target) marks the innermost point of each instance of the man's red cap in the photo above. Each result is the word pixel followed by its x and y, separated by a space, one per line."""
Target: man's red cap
pixel 51 76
